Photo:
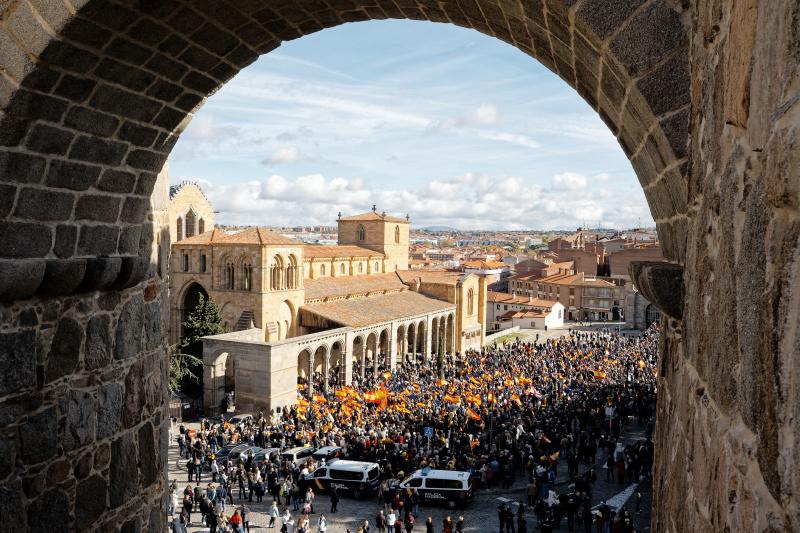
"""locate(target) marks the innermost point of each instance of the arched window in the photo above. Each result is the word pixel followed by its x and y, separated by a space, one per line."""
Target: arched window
pixel 341 268
pixel 186 262
pixel 397 234
pixel 291 273
pixel 362 233
pixel 470 301
pixel 201 226
pixel 360 268
pixel 247 276
pixel 322 270
pixel 377 267
pixel 276 274
pixel 203 263
pixel 190 227
pixel 229 276
pixel 179 226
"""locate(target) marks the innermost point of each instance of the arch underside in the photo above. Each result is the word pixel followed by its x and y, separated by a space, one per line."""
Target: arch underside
pixel 115 86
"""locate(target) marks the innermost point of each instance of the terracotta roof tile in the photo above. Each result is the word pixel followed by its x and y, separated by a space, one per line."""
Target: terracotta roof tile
pixel 339 250
pixel 444 277
pixel 255 236
pixel 361 312
pixel 316 289
pixel 372 215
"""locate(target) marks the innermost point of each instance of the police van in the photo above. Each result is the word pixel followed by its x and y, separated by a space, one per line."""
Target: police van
pixel 357 478
pixel 440 486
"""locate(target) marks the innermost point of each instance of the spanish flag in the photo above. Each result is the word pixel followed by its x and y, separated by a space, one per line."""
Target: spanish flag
pixel 387 375
pixel 599 374
pixel 641 364
pixel 452 399
pixel 341 394
pixel 302 402
pixel 319 399
pixel 473 415
pixel 515 398
pixel 441 382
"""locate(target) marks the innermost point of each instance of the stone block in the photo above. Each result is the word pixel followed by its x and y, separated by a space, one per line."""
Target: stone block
pixel 128 338
pixel 661 283
pixel 166 66
pixel 37 437
pixel 134 210
pixel 109 410
pixel 65 349
pixel 128 245
pixel 87 33
pixel 118 181
pixel 7 195
pixel 97 353
pixel 149 466
pixel 90 121
pixel 134 397
pixel 132 272
pixel 18 353
pixel 44 205
pixel 648 38
pixel 676 130
pixel 11 506
pixel 152 326
pixel 123 480
pixel 62 277
pixel 46 139
pixel 97 207
pixel 189 101
pixel 80 415
pixel 74 89
pixel 50 508
pixel 21 168
pixel 8 454
pixel 91 496
pixel 98 240
pixel 97 150
pixel 199 82
pixel 71 175
pixel 137 135
pixel 57 472
pixel 101 272
pixel 19 279
pixel 128 51
pixel 152 161
pixel 66 237
pixel 667 88
pixel 83 465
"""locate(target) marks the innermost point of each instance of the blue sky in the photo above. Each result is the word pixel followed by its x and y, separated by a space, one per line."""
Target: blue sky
pixel 444 123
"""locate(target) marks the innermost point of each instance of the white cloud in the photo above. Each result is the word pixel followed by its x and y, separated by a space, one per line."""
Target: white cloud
pixel 570 181
pixel 467 201
pixel 485 114
pixel 287 154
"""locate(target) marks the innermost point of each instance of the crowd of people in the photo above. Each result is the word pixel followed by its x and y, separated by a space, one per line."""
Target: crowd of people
pixel 531 410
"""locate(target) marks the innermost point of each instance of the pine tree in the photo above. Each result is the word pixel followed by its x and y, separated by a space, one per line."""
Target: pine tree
pixel 186 360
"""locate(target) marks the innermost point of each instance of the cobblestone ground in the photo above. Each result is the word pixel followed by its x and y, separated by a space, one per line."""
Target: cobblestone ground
pixel 479 516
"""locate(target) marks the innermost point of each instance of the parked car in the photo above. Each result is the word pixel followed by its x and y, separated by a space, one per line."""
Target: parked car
pixel 300 455
pixel 328 453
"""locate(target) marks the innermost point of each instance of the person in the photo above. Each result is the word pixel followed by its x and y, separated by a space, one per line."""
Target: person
pixel 460 525
pixel 310 500
pixel 380 522
pixel 522 524
pixel 334 500
pixel 322 524
pixel 501 517
pixel 273 515
pixel 429 525
pixel 245 514
pixel 409 522
pixel 391 517
pixel 236 522
pixel 365 526
pixel 447 525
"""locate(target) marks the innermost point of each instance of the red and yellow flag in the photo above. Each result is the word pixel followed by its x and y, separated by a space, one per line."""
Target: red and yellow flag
pixel 319 399
pixel 473 415
pixel 599 374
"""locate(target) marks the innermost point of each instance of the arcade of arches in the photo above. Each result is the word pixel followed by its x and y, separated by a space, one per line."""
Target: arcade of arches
pixel 93 96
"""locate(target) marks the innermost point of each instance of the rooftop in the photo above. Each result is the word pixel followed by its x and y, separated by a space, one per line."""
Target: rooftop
pixel 442 277
pixel 502 297
pixel 338 250
pixel 336 287
pixel 361 312
pixel 261 236
pixel 374 215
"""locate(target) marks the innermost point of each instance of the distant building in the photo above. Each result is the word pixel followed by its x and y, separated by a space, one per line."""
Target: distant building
pixel 496 273
pixel 505 311
pixel 619 262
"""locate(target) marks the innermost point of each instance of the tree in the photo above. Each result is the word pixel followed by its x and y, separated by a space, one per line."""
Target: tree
pixel 186 360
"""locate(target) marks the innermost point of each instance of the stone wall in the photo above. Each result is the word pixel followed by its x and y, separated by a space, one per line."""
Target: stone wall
pixel 729 405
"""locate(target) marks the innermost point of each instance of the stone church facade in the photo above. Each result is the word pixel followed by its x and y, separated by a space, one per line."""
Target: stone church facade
pixel 336 312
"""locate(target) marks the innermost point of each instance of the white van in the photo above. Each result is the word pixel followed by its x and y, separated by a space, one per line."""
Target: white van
pixel 328 453
pixel 299 456
pixel 355 477
pixel 440 486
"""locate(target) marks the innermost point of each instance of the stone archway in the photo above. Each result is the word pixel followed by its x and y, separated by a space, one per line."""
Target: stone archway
pixel 95 93
pixel 304 371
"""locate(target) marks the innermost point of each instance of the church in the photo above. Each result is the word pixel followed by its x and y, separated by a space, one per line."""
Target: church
pixel 313 315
